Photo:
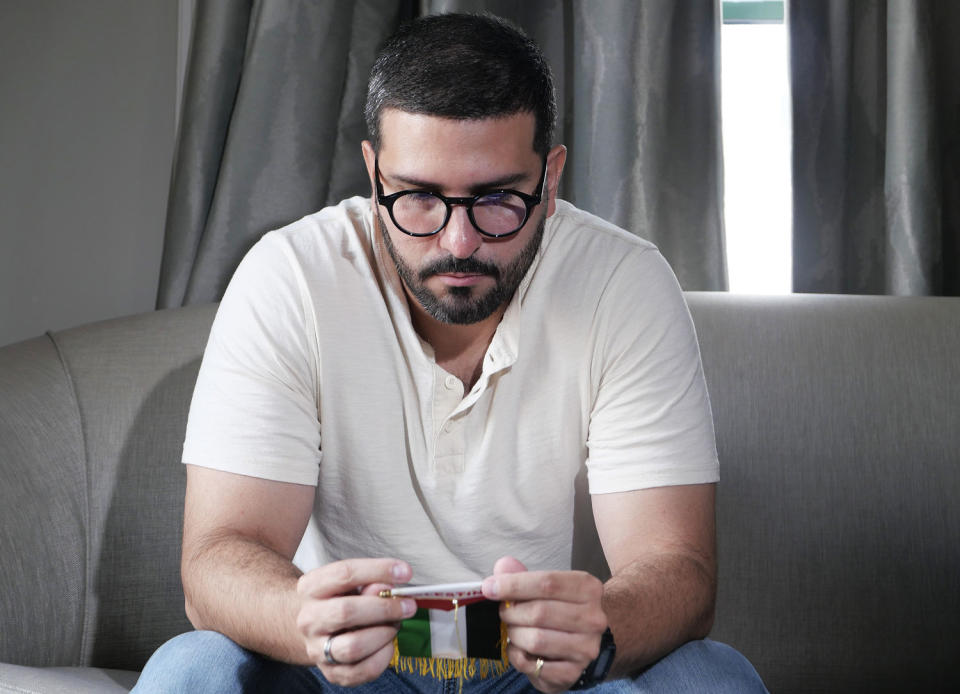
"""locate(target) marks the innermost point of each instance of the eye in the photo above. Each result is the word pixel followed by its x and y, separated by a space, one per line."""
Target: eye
pixel 419 199
pixel 498 198
pixel 499 213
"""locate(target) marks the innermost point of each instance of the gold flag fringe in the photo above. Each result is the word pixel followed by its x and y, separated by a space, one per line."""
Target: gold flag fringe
pixel 448 668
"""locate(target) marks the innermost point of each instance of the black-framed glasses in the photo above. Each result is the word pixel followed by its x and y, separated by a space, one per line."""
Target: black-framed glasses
pixel 494 213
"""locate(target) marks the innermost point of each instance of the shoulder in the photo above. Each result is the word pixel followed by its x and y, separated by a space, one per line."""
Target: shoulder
pixel 284 263
pixel 590 247
pixel 312 247
pixel 346 224
pixel 589 255
pixel 575 224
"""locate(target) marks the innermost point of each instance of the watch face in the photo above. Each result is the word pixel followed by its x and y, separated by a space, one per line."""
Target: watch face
pixel 608 649
pixel 596 672
pixel 601 666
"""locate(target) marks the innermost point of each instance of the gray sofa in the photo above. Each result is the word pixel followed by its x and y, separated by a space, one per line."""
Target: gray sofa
pixel 838 425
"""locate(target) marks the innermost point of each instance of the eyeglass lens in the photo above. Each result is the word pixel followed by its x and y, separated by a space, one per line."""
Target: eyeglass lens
pixel 424 213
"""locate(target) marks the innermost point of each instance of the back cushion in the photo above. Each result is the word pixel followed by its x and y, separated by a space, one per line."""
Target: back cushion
pixel 134 379
pixel 837 429
pixel 42 509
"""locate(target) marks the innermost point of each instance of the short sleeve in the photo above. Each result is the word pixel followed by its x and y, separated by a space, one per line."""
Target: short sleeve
pixel 255 406
pixel 650 422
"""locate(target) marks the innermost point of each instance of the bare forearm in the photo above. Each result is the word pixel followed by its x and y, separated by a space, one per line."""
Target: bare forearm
pixel 247 592
pixel 654 606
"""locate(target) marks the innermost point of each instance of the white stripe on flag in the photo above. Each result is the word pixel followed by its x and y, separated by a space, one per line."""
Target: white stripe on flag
pixel 445 625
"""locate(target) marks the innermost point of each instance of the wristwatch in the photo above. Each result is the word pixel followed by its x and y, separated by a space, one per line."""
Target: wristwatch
pixel 598 669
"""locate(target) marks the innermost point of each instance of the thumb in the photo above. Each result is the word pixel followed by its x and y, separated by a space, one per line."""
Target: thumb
pixel 508 565
pixel 504 565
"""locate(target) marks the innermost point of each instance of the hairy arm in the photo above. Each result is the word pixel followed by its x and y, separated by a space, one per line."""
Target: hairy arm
pixel 239 537
pixel 660 545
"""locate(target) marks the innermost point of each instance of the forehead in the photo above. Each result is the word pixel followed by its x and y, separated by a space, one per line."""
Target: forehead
pixel 422 142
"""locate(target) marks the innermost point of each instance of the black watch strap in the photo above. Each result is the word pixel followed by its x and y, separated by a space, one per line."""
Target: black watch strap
pixel 597 671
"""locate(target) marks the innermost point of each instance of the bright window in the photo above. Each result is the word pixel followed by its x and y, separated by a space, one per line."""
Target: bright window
pixel 756 146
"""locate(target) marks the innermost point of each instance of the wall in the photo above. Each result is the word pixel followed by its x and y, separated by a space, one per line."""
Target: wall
pixel 88 94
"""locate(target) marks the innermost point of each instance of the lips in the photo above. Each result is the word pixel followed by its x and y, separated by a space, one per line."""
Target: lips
pixel 461 279
pixel 457 269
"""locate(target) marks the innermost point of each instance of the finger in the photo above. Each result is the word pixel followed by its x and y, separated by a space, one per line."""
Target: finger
pixel 348 575
pixel 554 614
pixel 556 645
pixel 359 673
pixel 375 589
pixel 554 675
pixel 351 647
pixel 333 615
pixel 566 586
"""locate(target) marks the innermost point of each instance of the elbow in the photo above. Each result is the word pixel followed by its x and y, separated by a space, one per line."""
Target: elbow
pixel 708 602
pixel 190 607
pixel 191 614
pixel 703 624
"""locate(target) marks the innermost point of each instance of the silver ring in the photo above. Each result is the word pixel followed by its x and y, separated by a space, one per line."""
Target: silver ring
pixel 327 655
pixel 538 668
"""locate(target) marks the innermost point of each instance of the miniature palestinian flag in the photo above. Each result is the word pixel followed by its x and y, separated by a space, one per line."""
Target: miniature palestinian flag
pixel 456 632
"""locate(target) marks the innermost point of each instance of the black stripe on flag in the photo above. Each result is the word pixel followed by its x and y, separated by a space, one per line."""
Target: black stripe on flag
pixel 483 630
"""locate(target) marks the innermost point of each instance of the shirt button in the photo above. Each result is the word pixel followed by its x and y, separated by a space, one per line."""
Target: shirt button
pixel 452 382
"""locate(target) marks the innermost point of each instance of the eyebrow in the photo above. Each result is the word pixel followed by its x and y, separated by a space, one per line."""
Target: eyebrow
pixel 501 182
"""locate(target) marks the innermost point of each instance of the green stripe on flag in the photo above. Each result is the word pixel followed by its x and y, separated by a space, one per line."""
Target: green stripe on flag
pixel 413 639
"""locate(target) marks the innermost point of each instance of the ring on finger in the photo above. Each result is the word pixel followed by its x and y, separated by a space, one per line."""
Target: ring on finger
pixel 538 668
pixel 327 654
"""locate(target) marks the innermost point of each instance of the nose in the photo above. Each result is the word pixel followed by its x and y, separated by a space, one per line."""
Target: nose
pixel 459 237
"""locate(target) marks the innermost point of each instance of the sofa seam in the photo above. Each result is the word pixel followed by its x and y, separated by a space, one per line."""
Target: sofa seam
pixel 4 687
pixel 85 599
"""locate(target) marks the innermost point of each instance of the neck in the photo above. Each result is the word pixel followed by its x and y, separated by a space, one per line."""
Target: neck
pixel 458 349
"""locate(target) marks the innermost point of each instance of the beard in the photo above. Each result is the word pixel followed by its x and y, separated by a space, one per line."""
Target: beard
pixel 464 305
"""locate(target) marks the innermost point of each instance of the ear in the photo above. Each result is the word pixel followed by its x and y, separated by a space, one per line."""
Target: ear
pixel 369 157
pixel 555 161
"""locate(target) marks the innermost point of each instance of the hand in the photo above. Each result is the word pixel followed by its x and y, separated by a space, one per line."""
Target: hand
pixel 553 615
pixel 341 602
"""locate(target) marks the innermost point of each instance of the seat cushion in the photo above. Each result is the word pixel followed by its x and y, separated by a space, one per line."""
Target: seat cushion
pixel 19 679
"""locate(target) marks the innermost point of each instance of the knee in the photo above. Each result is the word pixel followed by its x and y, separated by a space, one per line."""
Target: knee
pixel 705 666
pixel 197 661
pixel 725 665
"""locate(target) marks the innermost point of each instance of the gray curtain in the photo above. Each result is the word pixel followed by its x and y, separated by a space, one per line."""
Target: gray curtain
pixel 876 139
pixel 273 116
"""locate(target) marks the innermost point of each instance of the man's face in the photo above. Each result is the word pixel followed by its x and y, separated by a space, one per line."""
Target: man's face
pixel 458 275
pixel 466 302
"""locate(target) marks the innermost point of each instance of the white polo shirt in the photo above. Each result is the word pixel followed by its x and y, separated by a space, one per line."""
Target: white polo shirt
pixel 314 374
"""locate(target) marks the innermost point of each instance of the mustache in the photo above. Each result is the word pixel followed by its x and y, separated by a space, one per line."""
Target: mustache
pixel 459 265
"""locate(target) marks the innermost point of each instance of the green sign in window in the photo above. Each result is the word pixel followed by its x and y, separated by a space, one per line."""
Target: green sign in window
pixel 753 11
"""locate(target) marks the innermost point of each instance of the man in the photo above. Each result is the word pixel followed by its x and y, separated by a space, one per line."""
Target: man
pixel 403 390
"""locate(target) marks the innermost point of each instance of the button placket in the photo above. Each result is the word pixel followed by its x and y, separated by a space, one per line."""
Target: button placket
pixel 449 444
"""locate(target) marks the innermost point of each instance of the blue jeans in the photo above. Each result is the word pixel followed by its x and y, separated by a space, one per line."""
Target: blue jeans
pixel 205 662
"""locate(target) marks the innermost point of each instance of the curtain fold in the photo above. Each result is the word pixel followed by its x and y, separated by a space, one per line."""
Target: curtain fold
pixel 270 131
pixel 876 117
pixel 273 118
pixel 645 132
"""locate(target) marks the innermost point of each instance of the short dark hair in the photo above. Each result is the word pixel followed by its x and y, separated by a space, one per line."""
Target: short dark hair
pixel 462 66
